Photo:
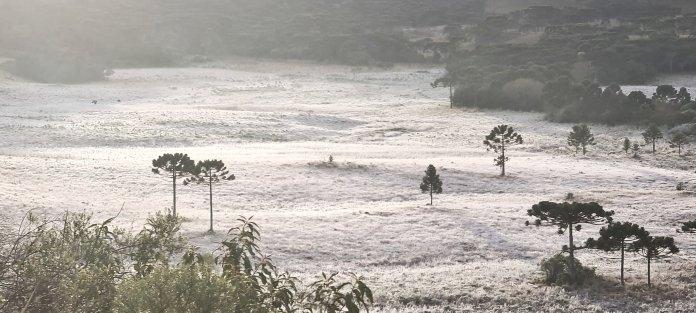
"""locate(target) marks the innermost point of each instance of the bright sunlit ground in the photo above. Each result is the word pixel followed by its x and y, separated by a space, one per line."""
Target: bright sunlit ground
pixel 275 123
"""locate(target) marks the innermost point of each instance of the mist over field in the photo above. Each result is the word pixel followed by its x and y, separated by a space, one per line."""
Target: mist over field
pixel 347 156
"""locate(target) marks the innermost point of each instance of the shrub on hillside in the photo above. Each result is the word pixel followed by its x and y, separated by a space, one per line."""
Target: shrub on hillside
pixel 563 270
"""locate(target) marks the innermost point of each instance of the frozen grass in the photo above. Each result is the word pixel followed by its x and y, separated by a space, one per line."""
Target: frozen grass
pixel 275 124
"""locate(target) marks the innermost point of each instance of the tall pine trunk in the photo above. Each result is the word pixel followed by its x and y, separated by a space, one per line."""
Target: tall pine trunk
pixel 502 160
pixel 174 193
pixel 571 248
pixel 451 96
pixel 622 262
pixel 210 184
pixel 649 284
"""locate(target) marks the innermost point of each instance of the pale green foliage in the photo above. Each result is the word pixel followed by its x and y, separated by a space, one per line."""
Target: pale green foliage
pixel 74 265
pixel 186 288
pixel 71 265
pixel 156 243
pixel 581 137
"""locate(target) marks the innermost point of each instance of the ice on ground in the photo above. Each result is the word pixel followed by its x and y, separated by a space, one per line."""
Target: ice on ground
pixel 275 123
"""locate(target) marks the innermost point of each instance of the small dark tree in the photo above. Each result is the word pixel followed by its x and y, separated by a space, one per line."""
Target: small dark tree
pixel 500 138
pixel 665 92
pixel 176 166
pixel 678 141
pixel 653 248
pixel 617 237
pixel 581 137
pixel 431 182
pixel 626 145
pixel 569 216
pixel 689 227
pixel 652 135
pixel 447 81
pixel 210 172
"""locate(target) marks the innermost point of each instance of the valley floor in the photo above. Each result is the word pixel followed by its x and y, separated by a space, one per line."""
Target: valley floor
pixel 275 124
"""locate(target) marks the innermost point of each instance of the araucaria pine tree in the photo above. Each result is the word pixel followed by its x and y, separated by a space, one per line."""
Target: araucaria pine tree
pixel 175 166
pixel 653 248
pixel 500 139
pixel 568 217
pixel 652 135
pixel 581 137
pixel 210 172
pixel 431 182
pixel 618 237
pixel 678 140
pixel 448 81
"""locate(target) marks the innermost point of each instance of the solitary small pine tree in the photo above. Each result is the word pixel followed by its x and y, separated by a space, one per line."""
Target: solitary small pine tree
pixel 626 145
pixel 617 237
pixel 431 182
pixel 580 137
pixel 210 172
pixel 652 135
pixel 568 217
pixel 501 138
pixel 176 166
pixel 653 248
pixel 678 141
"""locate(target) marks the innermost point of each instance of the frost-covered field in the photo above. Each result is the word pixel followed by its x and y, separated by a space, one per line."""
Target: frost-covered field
pixel 275 123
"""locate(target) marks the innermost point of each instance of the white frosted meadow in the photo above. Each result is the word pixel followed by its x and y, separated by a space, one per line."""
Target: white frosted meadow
pixel 274 124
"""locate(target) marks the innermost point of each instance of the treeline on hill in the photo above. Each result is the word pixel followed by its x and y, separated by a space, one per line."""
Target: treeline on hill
pixel 73 40
pixel 555 60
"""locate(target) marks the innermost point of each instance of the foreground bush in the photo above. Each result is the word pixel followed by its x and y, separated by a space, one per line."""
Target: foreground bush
pixel 76 265
pixel 563 270
pixel 186 288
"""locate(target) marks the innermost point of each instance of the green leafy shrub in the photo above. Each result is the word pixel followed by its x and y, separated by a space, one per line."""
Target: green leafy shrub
pixel 186 288
pixel 76 265
pixel 563 270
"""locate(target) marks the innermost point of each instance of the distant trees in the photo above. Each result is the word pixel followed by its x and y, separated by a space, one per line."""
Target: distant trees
pixel 175 166
pixel 501 138
pixel 431 182
pixel 678 140
pixel 581 137
pixel 568 217
pixel 618 237
pixel 653 248
pixel 210 172
pixel 652 135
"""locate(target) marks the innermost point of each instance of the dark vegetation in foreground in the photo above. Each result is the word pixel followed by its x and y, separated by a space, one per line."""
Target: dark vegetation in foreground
pixel 78 265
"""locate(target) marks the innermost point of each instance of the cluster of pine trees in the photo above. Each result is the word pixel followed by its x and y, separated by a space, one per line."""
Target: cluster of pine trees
pixel 614 237
pixel 180 166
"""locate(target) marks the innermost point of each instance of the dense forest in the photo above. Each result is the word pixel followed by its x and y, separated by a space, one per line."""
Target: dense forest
pixel 559 60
